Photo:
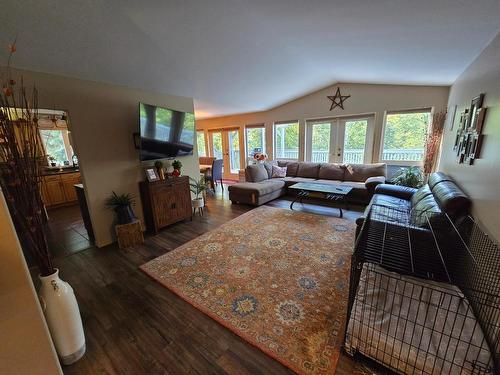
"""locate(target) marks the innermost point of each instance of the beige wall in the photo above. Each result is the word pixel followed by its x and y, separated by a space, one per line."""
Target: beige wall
pixel 481 180
pixel 25 344
pixel 365 99
pixel 102 120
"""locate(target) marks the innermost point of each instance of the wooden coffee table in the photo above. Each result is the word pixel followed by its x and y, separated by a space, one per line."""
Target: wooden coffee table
pixel 330 192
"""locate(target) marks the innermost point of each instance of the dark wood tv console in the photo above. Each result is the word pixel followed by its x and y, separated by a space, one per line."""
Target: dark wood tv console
pixel 165 202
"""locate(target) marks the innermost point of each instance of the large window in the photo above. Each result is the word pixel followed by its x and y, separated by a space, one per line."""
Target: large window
pixel 255 136
pixel 404 137
pixel 200 139
pixel 57 146
pixel 286 140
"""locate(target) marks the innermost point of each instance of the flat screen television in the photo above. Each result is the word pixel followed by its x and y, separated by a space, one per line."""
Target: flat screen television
pixel 165 133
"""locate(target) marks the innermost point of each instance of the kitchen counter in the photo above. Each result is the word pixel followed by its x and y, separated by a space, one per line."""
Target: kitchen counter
pixel 52 172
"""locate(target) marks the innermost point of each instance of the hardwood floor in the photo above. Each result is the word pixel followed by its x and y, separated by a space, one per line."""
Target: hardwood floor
pixel 133 325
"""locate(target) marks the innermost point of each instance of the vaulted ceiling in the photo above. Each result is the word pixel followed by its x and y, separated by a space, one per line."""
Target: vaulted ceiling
pixel 248 55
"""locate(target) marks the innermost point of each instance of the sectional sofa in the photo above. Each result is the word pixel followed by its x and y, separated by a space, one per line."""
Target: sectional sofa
pixel 261 188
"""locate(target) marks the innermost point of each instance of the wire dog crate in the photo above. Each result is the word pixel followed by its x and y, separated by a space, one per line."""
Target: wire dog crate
pixel 425 299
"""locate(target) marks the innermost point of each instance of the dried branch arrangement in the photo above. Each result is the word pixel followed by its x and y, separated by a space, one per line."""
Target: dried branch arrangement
pixel 21 159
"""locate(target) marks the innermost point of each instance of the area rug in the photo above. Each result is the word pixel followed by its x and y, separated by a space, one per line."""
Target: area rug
pixel 275 277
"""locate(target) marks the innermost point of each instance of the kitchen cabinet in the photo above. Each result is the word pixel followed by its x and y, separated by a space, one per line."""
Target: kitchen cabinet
pixel 58 189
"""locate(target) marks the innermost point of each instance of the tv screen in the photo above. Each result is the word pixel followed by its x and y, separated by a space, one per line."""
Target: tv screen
pixel 165 133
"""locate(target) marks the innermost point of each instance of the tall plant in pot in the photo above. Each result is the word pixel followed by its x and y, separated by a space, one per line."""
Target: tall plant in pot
pixel 20 178
pixel 410 177
pixel 197 188
pixel 122 205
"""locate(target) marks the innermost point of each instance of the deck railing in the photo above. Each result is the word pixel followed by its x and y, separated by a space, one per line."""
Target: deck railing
pixel 356 156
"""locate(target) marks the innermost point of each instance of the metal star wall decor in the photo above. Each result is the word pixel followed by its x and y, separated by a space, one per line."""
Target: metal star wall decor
pixel 338 99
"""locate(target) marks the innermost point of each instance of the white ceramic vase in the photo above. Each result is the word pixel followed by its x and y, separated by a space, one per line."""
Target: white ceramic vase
pixel 198 203
pixel 63 317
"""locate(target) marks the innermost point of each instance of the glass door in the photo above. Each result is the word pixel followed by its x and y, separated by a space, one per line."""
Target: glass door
pixel 340 140
pixel 225 145
pixel 352 141
pixel 233 154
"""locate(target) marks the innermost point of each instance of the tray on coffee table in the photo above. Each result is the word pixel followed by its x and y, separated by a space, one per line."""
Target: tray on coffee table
pixel 331 192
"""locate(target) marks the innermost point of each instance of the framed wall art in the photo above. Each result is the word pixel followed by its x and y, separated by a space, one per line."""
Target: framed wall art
pixel 469 138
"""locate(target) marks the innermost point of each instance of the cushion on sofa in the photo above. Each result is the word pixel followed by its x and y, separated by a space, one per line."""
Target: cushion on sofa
pixel 260 188
pixel 269 168
pixel 420 194
pixel 308 170
pixel 390 202
pixel 424 211
pixel 278 172
pixel 437 177
pixel 331 171
pixel 451 199
pixel 291 167
pixel 256 173
pixel 360 172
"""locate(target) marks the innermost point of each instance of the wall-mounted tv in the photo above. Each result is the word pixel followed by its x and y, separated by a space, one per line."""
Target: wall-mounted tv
pixel 165 133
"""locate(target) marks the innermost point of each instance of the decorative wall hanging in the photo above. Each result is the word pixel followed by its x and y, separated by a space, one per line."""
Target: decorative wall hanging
pixel 338 99
pixel 469 137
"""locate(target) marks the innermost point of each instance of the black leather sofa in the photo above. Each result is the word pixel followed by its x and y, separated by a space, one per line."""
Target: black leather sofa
pixel 417 209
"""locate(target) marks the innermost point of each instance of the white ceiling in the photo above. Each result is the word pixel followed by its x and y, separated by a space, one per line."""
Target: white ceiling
pixel 237 56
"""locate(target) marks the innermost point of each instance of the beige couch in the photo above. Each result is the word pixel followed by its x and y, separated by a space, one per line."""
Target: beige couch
pixel 261 188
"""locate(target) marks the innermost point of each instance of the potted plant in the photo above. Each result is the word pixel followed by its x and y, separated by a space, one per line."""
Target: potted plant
pixel 20 178
pixel 122 205
pixel 410 177
pixel 52 160
pixel 177 165
pixel 197 188
pixel 160 169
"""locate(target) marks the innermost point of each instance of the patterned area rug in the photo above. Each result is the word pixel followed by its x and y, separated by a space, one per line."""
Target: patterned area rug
pixel 277 278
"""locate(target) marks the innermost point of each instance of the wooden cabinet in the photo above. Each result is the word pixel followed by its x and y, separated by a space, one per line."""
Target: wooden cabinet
pixel 58 189
pixel 165 202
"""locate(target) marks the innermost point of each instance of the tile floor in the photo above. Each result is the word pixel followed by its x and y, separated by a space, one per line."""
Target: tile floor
pixel 66 233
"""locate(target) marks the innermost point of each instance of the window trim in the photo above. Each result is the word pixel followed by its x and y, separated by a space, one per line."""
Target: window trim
pixel 254 126
pixel 429 110
pixel 290 122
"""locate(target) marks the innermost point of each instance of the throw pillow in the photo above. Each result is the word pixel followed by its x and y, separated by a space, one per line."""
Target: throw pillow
pixel 279 172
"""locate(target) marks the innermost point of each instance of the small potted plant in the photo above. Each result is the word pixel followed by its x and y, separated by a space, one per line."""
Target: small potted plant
pixel 160 169
pixel 177 165
pixel 122 205
pixel 52 160
pixel 197 188
pixel 410 177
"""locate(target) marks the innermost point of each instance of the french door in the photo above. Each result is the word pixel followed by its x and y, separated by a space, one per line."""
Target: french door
pixel 340 140
pixel 225 145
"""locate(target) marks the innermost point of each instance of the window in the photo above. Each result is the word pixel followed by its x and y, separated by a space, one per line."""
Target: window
pixel 255 140
pixel 57 146
pixel 200 139
pixel 286 140
pixel 404 137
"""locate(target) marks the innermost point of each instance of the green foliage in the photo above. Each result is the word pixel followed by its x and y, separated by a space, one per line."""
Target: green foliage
pixel 54 144
pixel 355 135
pixel 406 131
pixel 255 139
pixel 177 164
pixel 121 200
pixel 158 164
pixel 289 135
pixel 198 186
pixel 409 176
pixel 200 139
